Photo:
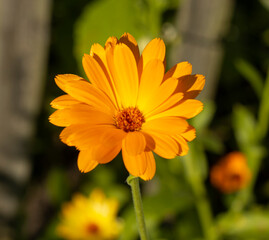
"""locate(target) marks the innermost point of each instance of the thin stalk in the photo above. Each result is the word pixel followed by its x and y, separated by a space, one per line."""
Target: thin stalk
pixel 138 207
pixel 203 209
pixel 201 201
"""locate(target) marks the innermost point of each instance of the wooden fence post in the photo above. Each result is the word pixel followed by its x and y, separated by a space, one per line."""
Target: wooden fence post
pixel 24 37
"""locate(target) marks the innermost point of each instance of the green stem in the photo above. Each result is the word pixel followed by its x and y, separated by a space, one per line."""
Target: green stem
pixel 201 201
pixel 138 207
pixel 203 209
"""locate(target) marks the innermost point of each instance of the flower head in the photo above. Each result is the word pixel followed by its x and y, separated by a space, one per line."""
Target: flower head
pixel 129 105
pixel 89 218
pixel 231 173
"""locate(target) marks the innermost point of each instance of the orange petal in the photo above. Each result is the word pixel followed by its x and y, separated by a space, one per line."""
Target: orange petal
pixel 186 109
pixel 184 148
pixel 113 73
pixel 64 101
pixel 136 165
pixel 111 42
pixel 57 119
pixel 106 154
pixel 98 52
pixel 179 70
pixel 134 143
pixel 169 103
pixel 85 136
pixel 85 163
pixel 151 166
pixel 130 41
pixel 164 145
pixel 126 74
pixel 98 76
pixel 82 90
pixel 154 50
pixel 159 97
pixel 191 85
pixel 87 93
pixel 78 135
pixel 190 134
pixel 62 80
pixel 167 125
pixel 150 82
pixel 80 114
pixel 110 145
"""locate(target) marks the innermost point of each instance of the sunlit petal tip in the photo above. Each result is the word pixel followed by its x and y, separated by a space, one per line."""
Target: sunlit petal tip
pixel 201 108
pixel 111 42
pixel 200 81
pixel 154 50
pixel 56 119
pixel 197 109
pixel 157 48
pixel 85 163
pixel 190 134
pixel 179 70
pixel 53 103
pixel 130 41
pixel 97 49
pixel 127 36
pixel 85 57
pixel 62 80
pixel 183 146
pixel 157 42
pixel 184 151
pixel 64 137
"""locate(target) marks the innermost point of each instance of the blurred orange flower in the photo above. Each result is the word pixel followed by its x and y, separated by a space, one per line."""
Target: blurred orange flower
pixel 231 173
pixel 90 218
pixel 131 105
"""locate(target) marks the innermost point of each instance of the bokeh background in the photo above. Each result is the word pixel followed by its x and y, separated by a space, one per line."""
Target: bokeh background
pixel 225 40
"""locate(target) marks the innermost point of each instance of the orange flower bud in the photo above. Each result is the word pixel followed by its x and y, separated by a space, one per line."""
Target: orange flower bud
pixel 231 173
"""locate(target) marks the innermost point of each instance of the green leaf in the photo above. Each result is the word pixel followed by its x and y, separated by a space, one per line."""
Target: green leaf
pixel 244 126
pixel 263 119
pixel 244 226
pixel 251 74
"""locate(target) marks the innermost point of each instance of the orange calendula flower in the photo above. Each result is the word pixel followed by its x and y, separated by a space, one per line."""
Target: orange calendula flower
pixel 129 105
pixel 90 218
pixel 231 173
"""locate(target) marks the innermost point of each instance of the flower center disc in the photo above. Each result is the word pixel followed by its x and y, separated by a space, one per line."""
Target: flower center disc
pixel 92 228
pixel 129 119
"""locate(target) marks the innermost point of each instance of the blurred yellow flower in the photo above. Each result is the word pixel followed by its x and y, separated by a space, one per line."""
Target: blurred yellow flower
pixel 90 218
pixel 131 105
pixel 231 173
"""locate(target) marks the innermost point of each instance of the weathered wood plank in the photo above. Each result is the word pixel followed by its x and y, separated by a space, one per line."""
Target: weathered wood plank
pixel 24 36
